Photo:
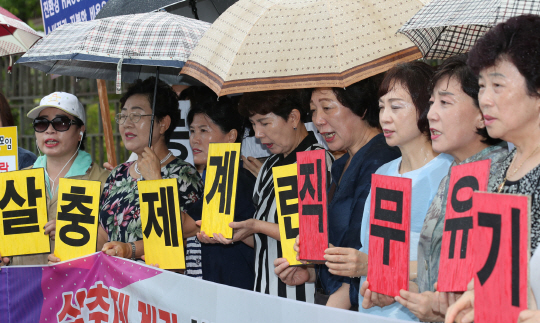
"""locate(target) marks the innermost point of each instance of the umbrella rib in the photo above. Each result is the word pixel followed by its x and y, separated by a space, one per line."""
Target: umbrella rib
pixel 335 45
pixel 21 44
pixel 213 4
pixel 436 40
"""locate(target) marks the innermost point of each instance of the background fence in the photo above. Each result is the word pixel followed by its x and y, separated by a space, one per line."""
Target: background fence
pixel 25 87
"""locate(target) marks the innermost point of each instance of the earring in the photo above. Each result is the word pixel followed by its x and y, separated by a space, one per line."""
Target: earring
pixel 294 128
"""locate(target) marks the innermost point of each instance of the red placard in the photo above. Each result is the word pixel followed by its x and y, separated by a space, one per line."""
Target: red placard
pixel 312 205
pixel 389 234
pixel 456 262
pixel 501 256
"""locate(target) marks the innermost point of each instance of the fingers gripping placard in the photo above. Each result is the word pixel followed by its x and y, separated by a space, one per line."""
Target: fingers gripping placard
pixel 162 223
pixel 501 256
pixel 76 218
pixel 23 206
pixel 286 189
pixel 220 189
pixel 312 204
pixel 390 226
pixel 456 262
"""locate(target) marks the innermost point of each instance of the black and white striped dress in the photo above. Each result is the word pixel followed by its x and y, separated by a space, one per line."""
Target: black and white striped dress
pixel 266 248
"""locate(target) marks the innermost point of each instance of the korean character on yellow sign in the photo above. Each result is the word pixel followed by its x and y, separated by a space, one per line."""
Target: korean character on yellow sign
pixel 9 157
pixel 23 208
pixel 286 190
pixel 162 223
pixel 220 189
pixel 76 218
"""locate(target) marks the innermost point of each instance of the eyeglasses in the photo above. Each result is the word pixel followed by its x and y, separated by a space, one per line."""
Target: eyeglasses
pixel 134 117
pixel 61 124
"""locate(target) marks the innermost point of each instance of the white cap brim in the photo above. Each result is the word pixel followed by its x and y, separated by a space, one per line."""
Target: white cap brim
pixel 34 113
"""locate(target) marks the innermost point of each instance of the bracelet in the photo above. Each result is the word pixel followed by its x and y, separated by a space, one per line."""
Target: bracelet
pixel 133 249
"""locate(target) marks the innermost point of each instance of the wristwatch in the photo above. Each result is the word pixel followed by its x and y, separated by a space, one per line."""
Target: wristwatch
pixel 133 249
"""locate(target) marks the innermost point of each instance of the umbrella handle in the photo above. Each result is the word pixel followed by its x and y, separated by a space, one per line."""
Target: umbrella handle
pixel 153 108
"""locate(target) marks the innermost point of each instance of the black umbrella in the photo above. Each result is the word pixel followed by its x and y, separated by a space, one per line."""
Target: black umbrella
pixel 129 7
pixel 207 10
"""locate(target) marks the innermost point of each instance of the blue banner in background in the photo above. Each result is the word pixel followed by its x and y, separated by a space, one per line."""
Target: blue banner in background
pixel 60 12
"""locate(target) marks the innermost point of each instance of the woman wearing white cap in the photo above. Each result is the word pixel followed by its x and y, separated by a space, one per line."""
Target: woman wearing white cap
pixel 59 124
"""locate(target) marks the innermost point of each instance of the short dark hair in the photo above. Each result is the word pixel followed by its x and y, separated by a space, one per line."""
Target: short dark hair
pixel 456 67
pixel 361 97
pixel 415 78
pixel 223 113
pixel 279 102
pixel 166 101
pixel 518 41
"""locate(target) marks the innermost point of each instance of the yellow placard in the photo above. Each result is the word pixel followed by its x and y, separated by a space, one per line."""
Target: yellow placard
pixel 9 157
pixel 286 189
pixel 77 218
pixel 162 223
pixel 220 189
pixel 23 207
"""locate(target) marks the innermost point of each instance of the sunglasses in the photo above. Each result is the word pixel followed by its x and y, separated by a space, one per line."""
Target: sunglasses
pixel 61 124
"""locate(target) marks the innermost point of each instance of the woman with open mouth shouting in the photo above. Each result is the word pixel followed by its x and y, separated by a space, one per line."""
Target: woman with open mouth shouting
pixel 349 120
pixel 59 123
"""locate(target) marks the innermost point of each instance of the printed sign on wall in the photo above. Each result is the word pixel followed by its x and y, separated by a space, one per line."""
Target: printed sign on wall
pixel 60 12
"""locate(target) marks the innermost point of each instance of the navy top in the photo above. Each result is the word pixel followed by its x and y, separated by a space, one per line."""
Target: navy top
pixel 26 158
pixel 234 264
pixel 346 205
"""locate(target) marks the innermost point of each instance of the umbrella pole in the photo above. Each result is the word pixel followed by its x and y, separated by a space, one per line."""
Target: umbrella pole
pixel 106 118
pixel 153 108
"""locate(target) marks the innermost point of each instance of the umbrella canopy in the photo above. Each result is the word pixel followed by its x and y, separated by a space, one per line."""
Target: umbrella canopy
pixel 206 10
pixel 16 37
pixel 259 45
pixel 129 7
pixel 123 48
pixel 444 28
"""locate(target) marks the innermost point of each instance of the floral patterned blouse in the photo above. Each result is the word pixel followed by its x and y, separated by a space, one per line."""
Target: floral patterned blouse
pixel 119 209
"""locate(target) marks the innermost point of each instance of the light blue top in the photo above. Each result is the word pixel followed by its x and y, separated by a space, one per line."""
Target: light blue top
pixel 425 183
pixel 80 166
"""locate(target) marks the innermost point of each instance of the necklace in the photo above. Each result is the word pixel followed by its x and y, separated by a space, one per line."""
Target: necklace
pixel 160 162
pixel 515 171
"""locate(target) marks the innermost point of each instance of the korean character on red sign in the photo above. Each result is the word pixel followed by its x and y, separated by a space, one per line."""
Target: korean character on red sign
pixel 312 179
pixel 390 226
